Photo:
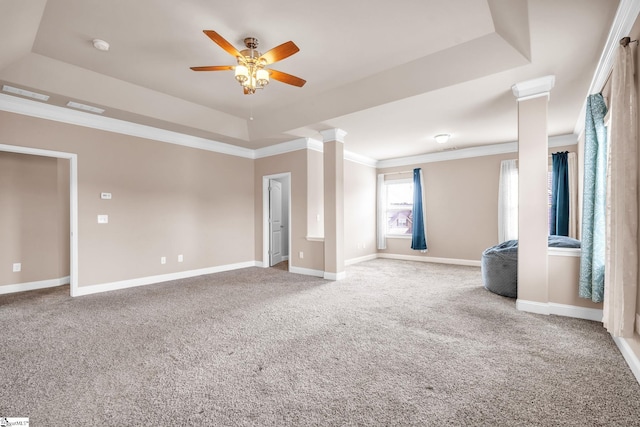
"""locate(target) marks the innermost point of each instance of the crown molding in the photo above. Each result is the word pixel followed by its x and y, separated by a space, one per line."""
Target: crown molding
pixel 441 156
pixel 465 153
pixel 562 140
pixel 533 88
pixel 333 135
pixel 40 110
pixel 287 147
pixel 358 158
pixel 37 109
pixel 626 15
pixel 310 144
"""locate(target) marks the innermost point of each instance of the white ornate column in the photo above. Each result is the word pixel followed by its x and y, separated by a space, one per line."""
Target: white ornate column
pixel 334 204
pixel 533 99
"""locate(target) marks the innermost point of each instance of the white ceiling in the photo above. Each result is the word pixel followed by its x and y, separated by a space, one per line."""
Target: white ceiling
pixel 390 74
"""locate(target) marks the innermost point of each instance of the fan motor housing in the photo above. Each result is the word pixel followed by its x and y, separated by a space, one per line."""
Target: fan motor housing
pixel 251 42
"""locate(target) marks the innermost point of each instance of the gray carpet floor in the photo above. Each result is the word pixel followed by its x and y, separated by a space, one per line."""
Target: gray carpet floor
pixel 397 343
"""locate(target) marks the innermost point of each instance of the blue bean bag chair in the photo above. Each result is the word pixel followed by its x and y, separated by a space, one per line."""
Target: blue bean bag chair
pixel 499 264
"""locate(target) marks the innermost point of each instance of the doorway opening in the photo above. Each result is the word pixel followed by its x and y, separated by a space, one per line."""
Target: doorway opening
pixel 276 220
pixel 73 206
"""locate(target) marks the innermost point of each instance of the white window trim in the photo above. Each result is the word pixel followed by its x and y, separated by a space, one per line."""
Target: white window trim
pixel 394 182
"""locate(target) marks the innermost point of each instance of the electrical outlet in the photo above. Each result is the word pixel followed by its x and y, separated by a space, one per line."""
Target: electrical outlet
pixel 105 196
pixel 163 260
pixel 180 258
pixel 301 254
pixel 17 267
pixel 103 219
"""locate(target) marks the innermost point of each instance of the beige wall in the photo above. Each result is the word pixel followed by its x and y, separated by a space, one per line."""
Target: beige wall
pixel 564 273
pixel 296 164
pixel 315 194
pixel 359 210
pixel 167 200
pixel 461 199
pixel 333 157
pixel 34 218
pixel 64 214
pixel 533 262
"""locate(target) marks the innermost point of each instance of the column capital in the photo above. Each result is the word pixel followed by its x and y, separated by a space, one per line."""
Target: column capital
pixel 333 135
pixel 533 88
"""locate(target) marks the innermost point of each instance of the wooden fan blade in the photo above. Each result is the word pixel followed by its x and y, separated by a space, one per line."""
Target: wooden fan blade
pixel 220 41
pixel 281 52
pixel 286 78
pixel 214 68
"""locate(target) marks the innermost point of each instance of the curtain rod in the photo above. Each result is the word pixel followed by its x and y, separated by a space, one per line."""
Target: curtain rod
pixel 626 40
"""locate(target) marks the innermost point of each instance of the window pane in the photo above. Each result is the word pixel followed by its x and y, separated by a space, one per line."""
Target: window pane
pixel 400 208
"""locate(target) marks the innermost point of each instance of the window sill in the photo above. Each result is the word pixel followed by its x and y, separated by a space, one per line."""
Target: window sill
pixel 573 252
pixel 397 236
pixel 315 239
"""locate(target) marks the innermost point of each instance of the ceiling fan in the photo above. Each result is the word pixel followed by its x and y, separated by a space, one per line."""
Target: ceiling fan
pixel 250 71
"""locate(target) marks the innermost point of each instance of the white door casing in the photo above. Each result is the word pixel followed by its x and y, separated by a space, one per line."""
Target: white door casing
pixel 275 222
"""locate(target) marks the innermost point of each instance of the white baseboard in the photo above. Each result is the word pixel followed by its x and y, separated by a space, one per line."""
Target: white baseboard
pixel 560 310
pixel 306 271
pixel 30 286
pixel 360 259
pixel 586 313
pixel 532 307
pixel 629 356
pixel 454 261
pixel 335 276
pixel 123 284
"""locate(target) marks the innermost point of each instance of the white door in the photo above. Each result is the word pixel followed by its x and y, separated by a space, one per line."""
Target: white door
pixel 275 222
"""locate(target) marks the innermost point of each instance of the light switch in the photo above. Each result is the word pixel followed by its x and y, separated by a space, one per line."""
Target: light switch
pixel 180 258
pixel 105 196
pixel 103 219
pixel 163 260
pixel 17 267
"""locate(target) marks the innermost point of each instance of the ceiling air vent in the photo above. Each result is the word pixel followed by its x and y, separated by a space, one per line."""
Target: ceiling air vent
pixel 23 92
pixel 85 107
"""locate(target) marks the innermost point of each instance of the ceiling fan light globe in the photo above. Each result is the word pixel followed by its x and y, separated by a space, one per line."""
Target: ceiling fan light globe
pixel 241 73
pixel 262 77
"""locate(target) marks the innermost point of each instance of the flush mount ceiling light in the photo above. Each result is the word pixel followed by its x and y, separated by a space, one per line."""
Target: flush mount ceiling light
pixel 250 71
pixel 23 92
pixel 101 45
pixel 442 138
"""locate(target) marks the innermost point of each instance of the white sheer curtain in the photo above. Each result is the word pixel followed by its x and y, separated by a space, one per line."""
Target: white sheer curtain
pixel 508 201
pixel 382 213
pixel 573 194
pixel 621 264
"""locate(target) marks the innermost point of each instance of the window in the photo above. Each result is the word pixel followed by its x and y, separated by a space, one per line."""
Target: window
pixel 399 207
pixel 508 201
pixel 549 196
pixel 508 198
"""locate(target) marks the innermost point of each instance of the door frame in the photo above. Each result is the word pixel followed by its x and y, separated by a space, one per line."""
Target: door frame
pixel 265 215
pixel 73 201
